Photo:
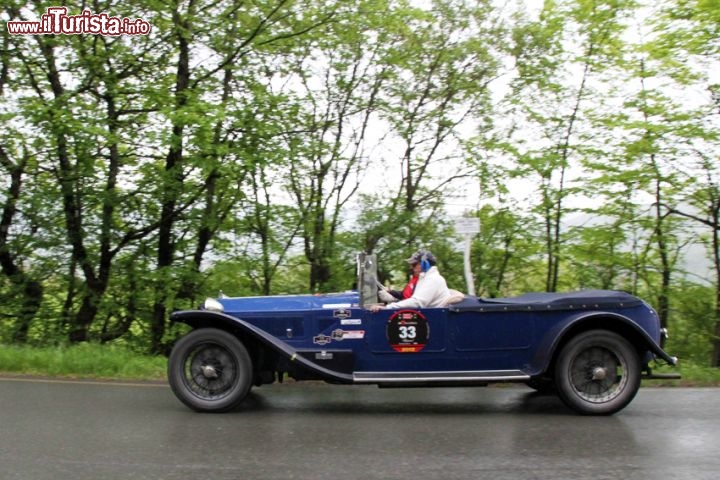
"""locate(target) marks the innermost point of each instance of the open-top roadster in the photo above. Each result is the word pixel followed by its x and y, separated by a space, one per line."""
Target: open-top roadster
pixel 590 347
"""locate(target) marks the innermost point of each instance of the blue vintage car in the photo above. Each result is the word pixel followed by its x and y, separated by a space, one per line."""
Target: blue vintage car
pixel 590 347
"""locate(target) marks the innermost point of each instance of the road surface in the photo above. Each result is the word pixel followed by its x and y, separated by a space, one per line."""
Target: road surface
pixel 85 430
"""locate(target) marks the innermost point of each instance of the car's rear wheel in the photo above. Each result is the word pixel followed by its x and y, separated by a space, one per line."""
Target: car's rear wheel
pixel 597 373
pixel 210 370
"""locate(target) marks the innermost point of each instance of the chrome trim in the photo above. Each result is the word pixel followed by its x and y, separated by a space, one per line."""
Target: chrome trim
pixel 664 333
pixel 430 377
pixel 213 305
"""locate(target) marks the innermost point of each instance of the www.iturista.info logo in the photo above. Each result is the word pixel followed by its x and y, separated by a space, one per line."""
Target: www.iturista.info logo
pixel 57 21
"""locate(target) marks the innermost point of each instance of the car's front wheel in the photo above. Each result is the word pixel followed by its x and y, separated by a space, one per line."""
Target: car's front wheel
pixel 597 373
pixel 210 370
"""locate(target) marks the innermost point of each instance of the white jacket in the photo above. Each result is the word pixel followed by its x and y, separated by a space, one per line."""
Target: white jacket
pixel 431 291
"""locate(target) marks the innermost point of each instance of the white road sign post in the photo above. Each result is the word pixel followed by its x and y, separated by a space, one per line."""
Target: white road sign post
pixel 467 227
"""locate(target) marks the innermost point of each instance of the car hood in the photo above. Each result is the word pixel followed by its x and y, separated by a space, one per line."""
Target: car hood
pixel 290 302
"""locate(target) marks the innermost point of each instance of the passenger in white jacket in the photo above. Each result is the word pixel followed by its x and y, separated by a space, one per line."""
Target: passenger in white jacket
pixel 431 289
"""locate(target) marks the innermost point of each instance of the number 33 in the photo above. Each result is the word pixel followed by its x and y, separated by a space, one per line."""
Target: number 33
pixel 407 332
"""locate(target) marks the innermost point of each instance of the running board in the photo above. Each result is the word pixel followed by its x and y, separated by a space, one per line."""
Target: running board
pixel 436 378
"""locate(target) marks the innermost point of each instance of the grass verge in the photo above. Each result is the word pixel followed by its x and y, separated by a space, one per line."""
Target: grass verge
pixel 95 361
pixel 693 375
pixel 81 361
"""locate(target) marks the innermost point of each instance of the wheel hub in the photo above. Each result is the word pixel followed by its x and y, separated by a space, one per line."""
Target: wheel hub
pixel 209 371
pixel 599 373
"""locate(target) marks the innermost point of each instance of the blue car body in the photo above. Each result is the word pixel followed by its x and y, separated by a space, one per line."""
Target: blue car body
pixel 475 341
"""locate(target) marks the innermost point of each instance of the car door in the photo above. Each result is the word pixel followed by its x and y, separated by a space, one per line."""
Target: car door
pixel 405 339
pixel 492 340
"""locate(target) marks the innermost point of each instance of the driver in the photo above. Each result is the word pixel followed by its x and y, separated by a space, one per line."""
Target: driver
pixel 388 296
pixel 431 289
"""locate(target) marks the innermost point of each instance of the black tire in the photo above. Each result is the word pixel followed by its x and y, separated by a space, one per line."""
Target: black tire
pixel 597 373
pixel 210 370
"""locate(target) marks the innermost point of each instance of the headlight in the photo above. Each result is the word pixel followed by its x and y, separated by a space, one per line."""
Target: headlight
pixel 213 305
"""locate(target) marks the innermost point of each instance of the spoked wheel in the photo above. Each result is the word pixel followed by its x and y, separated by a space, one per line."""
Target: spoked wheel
pixel 210 370
pixel 597 373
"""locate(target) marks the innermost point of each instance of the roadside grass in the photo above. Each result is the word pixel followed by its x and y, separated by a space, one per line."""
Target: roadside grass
pixel 693 375
pixel 112 362
pixel 91 361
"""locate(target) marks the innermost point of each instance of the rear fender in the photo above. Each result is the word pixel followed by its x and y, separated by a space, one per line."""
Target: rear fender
pixel 556 337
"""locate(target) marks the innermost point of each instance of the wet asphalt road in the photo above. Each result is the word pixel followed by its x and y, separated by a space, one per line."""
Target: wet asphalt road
pixel 56 431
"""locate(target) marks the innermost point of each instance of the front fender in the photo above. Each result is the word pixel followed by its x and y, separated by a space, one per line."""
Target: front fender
pixel 558 335
pixel 205 318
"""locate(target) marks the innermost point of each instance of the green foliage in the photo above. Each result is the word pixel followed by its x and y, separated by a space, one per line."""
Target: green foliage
pixel 692 332
pixel 505 256
pixel 82 361
pixel 256 148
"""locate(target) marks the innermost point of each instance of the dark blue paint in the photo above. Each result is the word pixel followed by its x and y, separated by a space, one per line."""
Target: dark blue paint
pixel 520 333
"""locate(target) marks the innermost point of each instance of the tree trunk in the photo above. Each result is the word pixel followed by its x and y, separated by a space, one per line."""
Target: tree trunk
pixel 172 184
pixel 31 290
pixel 715 223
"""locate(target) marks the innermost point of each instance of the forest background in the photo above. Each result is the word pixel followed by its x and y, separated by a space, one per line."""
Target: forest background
pixel 254 147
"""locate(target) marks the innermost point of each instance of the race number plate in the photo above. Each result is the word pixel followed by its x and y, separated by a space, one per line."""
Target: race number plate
pixel 408 331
